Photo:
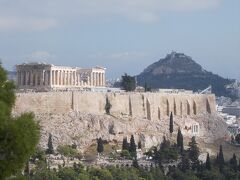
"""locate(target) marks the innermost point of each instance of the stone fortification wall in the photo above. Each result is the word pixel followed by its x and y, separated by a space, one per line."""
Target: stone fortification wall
pixel 152 106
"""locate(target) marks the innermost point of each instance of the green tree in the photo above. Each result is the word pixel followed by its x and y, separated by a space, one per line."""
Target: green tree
pixel 220 160
pixel 185 163
pixel 208 163
pixel 45 174
pixel 50 149
pixel 125 153
pixel 67 173
pixel 108 106
pixel 180 140
pixel 100 147
pixel 128 82
pixel 165 144
pixel 67 151
pixel 102 174
pixel 194 152
pixel 233 163
pixel 18 135
pixel 132 148
pixel 171 123
pixel 238 164
pixel 146 87
pixel 135 163
pixel 125 145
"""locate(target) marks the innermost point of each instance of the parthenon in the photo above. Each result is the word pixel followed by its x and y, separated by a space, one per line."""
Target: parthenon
pixel 46 77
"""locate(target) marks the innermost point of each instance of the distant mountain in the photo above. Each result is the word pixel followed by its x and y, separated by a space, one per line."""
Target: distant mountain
pixel 180 71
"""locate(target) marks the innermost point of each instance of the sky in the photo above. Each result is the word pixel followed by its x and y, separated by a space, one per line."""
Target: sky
pixel 121 35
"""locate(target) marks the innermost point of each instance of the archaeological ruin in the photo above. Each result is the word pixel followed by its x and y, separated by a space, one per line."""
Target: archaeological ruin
pixel 47 77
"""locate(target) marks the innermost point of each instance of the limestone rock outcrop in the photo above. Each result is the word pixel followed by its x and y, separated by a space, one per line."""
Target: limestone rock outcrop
pixel 83 129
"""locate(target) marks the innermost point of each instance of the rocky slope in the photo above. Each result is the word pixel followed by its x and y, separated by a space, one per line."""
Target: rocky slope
pixel 83 129
pixel 178 70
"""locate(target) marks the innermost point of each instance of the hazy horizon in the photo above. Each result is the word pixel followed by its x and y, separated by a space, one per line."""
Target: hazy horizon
pixel 124 36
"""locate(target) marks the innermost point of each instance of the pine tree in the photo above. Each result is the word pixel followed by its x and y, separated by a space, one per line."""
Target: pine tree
pixel 100 147
pixel 180 140
pixel 171 123
pixel 135 163
pixel 125 145
pixel 165 144
pixel 128 82
pixel 19 135
pixel 221 159
pixel 194 152
pixel 233 163
pixel 185 163
pixel 50 149
pixel 208 162
pixel 132 148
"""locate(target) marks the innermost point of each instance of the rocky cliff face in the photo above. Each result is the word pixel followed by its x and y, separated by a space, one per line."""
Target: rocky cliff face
pixel 178 70
pixel 83 129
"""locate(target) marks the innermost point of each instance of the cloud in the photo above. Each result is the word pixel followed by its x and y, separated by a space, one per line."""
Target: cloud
pixel 26 23
pixel 33 15
pixel 119 56
pixel 40 56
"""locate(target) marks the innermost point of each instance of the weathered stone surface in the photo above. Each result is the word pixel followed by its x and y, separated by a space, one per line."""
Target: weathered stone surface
pixel 152 106
pixel 83 129
pixel 80 117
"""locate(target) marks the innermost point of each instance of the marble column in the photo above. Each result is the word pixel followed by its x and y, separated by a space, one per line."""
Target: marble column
pixel 99 79
pixel 36 79
pixel 46 78
pixel 50 77
pixel 60 77
pixel 71 78
pixel 41 78
pixel 63 76
pixel 95 79
pixel 57 72
pixel 25 82
pixel 31 78
pixel 74 78
pixel 104 80
pixel 67 78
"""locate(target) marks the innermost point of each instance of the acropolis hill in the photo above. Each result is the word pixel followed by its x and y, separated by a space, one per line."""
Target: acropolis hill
pixel 76 116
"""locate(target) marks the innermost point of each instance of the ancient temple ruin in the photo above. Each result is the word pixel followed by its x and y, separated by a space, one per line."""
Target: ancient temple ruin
pixel 47 77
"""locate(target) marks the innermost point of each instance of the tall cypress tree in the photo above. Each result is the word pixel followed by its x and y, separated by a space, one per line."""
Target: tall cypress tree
pixel 220 159
pixel 180 140
pixel 171 123
pixel 125 145
pixel 233 163
pixel 50 149
pixel 208 162
pixel 194 152
pixel 100 147
pixel 132 148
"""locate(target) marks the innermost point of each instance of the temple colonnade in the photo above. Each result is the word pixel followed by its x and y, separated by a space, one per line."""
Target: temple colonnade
pixel 45 75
